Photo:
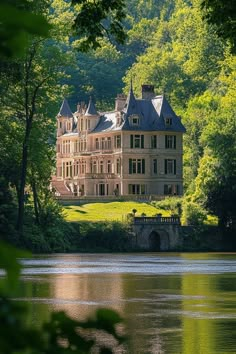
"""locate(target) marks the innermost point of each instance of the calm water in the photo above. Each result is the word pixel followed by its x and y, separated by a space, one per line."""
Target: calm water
pixel 172 303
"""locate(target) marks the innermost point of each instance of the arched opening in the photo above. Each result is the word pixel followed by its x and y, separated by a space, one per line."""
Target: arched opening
pixel 154 242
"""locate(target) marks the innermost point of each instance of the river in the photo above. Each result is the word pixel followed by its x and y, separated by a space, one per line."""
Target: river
pixel 172 302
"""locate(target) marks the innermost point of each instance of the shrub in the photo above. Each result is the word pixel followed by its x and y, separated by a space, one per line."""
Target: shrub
pixel 111 236
pixel 193 214
pixel 172 204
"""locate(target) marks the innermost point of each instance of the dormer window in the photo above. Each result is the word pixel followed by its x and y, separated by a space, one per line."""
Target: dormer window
pixel 168 121
pixel 134 120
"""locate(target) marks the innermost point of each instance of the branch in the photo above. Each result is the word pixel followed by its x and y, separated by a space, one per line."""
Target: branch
pixel 40 84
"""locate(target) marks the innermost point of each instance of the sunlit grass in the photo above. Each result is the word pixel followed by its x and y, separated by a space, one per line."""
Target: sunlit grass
pixel 115 211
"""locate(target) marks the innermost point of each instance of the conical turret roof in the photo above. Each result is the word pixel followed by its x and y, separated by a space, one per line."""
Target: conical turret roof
pixel 91 110
pixel 131 106
pixel 65 110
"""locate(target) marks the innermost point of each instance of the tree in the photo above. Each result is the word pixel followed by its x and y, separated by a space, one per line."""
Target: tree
pixel 98 19
pixel 40 69
pixel 216 180
pixel 182 58
pixel 222 13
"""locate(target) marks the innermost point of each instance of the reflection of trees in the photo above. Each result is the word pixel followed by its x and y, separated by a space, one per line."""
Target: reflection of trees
pixel 146 312
pixel 207 301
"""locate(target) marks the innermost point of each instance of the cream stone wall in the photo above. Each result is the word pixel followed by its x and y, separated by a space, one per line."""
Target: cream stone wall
pixel 91 164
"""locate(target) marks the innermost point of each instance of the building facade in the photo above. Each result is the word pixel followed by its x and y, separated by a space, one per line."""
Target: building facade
pixel 136 149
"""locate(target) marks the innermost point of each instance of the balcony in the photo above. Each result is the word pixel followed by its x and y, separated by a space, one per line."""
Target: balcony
pixel 100 175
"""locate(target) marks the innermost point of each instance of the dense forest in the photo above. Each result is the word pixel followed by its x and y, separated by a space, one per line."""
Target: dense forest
pixel 169 44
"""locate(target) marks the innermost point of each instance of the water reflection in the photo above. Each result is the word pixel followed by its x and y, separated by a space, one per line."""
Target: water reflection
pixel 172 303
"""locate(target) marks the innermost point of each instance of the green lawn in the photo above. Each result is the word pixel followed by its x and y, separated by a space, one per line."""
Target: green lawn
pixel 115 211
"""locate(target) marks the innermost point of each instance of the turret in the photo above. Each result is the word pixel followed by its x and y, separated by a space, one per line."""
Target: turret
pixel 131 110
pixel 65 119
pixel 91 117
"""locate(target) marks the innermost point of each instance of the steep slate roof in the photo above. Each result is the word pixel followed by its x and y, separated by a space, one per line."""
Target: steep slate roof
pixel 91 110
pixel 164 110
pixel 152 114
pixel 65 110
pixel 107 122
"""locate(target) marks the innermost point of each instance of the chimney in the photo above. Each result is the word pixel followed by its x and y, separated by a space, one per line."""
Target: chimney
pixel 148 92
pixel 120 102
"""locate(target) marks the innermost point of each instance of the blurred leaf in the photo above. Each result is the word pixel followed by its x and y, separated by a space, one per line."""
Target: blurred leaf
pixel 9 262
pixel 15 27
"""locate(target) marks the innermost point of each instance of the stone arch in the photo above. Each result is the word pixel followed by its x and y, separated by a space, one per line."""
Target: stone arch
pixel 154 241
pixel 159 240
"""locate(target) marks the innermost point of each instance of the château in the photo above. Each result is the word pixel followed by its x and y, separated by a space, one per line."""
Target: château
pixel 136 149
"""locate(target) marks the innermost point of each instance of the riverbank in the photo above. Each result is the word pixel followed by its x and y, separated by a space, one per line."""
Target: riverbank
pixel 113 236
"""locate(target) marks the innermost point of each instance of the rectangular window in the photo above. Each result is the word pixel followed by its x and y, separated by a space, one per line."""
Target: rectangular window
pixel 153 141
pixel 171 189
pixel 101 167
pixel 117 141
pixel 136 141
pixel 69 169
pixel 109 166
pixel 97 144
pixel 83 167
pixel 103 143
pixel 170 141
pixel 94 168
pixel 76 146
pixel 136 188
pixel 66 147
pixel 109 143
pixel 118 166
pixel 76 166
pixel 154 164
pixel 168 121
pixel 136 166
pixel 170 166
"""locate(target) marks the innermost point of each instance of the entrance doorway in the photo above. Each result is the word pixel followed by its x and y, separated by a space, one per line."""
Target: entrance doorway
pixel 154 242
pixel 102 189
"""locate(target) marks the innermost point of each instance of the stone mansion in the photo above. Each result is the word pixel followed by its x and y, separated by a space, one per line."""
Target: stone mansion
pixel 134 150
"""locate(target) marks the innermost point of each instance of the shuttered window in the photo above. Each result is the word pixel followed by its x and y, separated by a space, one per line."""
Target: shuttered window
pixel 136 166
pixel 137 141
pixel 170 166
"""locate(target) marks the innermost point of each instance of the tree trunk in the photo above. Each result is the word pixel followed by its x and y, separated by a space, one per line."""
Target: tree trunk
pixel 24 162
pixel 36 204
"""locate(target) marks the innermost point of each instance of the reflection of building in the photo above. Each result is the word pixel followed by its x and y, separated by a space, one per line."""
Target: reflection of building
pixel 136 149
pixel 81 294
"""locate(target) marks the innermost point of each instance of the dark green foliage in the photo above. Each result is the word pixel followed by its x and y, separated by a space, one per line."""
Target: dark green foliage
pixel 7 212
pixel 17 23
pixel 101 236
pixel 98 19
pixel 222 13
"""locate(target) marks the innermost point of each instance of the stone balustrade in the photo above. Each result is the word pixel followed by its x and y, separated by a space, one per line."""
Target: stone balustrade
pixel 174 220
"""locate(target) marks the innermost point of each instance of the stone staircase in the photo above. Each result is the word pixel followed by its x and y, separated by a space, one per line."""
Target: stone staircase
pixel 61 188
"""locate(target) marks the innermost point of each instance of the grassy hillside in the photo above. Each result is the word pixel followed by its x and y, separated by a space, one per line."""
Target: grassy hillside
pixel 115 211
